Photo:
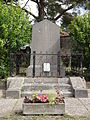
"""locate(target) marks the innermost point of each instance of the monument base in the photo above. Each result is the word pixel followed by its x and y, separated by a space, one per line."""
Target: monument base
pixel 29 72
pixel 40 73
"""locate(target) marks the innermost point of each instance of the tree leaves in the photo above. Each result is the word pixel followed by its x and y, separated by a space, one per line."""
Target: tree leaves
pixel 15 31
pixel 80 31
pixel 52 9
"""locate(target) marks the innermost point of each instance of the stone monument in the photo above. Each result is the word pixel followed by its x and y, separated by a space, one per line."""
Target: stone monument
pixel 46 43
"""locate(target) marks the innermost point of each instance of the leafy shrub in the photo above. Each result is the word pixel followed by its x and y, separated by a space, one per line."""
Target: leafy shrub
pixel 87 75
pixel 3 71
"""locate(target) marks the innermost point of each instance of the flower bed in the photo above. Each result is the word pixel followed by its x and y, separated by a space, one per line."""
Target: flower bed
pixel 43 104
pixel 43 108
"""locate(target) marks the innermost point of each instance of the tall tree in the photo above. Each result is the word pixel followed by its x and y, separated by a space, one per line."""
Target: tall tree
pixel 51 9
pixel 80 32
pixel 15 30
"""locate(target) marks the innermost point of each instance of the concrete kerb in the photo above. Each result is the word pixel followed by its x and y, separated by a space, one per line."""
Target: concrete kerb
pixel 13 93
pixel 79 87
pixel 81 93
pixel 14 85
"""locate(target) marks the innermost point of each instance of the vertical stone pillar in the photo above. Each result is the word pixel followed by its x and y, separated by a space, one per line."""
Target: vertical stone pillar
pixel 45 39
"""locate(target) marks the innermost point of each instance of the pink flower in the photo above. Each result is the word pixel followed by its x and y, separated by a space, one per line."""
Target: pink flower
pixel 42 98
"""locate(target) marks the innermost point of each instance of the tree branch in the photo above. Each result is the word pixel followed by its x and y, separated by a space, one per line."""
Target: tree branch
pixel 63 12
pixel 36 1
pixel 23 8
pixel 25 3
pixel 30 13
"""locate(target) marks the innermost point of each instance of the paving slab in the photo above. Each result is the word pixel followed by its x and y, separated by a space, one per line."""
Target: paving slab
pixel 18 106
pixel 86 103
pixel 6 106
pixel 76 111
pixel 75 106
pixel 72 102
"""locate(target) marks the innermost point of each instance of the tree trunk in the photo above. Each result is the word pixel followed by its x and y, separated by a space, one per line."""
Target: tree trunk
pixel 41 10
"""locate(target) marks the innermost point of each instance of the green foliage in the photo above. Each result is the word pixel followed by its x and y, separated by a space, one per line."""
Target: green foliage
pixel 51 9
pixel 88 4
pixel 87 74
pixel 66 20
pixel 3 71
pixel 22 89
pixel 14 32
pixel 80 32
pixel 52 96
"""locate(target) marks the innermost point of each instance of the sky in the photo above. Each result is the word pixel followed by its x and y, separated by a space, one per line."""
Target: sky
pixel 31 6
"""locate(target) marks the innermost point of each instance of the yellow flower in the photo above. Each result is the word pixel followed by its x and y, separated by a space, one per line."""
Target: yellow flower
pixel 36 95
pixel 33 95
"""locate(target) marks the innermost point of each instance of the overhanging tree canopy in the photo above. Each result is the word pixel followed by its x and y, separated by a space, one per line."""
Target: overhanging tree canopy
pixel 51 9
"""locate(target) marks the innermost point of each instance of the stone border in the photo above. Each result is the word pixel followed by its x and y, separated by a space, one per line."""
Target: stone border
pixel 79 87
pixel 43 108
pixel 14 86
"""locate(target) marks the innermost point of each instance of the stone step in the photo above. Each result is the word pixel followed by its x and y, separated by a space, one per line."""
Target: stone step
pixel 15 82
pixel 38 86
pixel 64 87
pixel 64 80
pixel 68 94
pixel 30 93
pixel 40 80
pixel 13 93
pixel 14 85
pixel 46 80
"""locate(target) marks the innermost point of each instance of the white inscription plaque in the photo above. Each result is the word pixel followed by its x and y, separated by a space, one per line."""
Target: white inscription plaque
pixel 46 67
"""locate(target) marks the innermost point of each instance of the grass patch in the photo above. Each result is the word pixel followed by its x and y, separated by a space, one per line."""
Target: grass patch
pixel 22 89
